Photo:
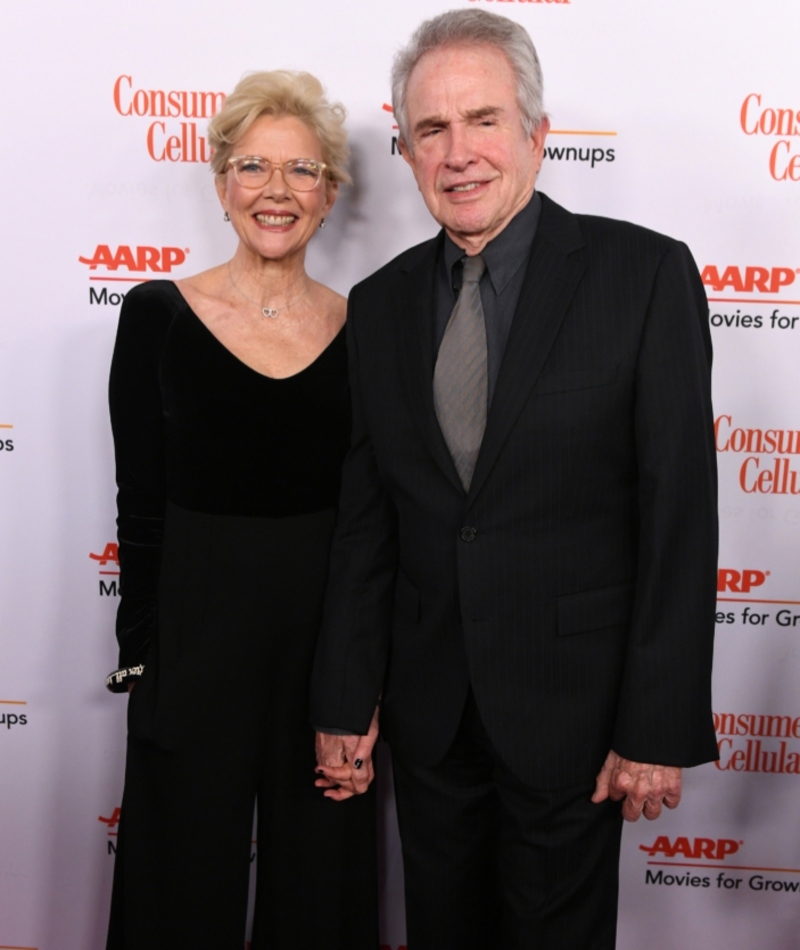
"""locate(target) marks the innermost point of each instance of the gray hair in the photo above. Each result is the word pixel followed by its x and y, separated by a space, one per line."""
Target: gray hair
pixel 472 28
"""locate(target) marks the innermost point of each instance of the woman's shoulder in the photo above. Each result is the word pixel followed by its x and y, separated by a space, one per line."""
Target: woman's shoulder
pixel 155 297
pixel 147 313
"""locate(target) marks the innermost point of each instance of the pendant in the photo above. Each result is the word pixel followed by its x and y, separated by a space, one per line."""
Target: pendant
pixel 269 312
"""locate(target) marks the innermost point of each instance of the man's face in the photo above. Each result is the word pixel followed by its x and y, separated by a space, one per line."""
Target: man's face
pixel 473 162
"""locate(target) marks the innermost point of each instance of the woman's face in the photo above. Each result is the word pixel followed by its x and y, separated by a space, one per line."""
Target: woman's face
pixel 275 222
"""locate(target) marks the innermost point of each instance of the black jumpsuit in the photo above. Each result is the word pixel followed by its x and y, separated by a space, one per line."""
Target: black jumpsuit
pixel 228 482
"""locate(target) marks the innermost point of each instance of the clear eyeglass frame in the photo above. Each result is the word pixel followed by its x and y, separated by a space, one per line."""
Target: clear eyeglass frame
pixel 300 174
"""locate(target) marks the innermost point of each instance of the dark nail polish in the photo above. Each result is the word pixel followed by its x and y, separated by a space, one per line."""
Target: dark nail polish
pixel 358 763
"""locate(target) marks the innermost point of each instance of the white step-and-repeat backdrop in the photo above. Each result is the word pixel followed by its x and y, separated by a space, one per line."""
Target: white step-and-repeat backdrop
pixel 681 116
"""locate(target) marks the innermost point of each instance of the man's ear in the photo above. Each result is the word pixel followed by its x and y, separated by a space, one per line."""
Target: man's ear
pixel 538 136
pixel 408 157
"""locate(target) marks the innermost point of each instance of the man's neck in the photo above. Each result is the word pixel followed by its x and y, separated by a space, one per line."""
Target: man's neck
pixel 473 244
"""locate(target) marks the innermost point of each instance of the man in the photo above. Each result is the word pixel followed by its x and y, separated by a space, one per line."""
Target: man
pixel 524 567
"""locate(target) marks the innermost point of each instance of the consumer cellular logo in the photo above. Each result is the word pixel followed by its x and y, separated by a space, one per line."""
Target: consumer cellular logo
pixel 768 466
pixel 778 124
pixel 179 140
pixel 755 742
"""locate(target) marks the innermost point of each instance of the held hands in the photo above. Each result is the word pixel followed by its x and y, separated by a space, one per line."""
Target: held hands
pixel 344 763
pixel 644 787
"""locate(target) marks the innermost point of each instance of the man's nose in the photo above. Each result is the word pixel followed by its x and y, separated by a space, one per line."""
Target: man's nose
pixel 459 150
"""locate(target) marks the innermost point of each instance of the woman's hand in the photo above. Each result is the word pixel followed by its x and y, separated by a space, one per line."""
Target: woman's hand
pixel 344 763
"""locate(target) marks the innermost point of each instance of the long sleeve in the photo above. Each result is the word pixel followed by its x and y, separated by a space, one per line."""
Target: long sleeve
pixel 352 650
pixel 137 424
pixel 664 709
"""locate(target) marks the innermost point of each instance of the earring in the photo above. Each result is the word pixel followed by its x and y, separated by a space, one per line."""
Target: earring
pixel 226 217
pixel 322 223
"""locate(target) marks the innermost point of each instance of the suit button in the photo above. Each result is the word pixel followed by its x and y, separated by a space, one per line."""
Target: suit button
pixel 468 534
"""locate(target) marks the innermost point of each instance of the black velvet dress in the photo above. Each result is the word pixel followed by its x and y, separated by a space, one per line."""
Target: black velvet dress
pixel 228 481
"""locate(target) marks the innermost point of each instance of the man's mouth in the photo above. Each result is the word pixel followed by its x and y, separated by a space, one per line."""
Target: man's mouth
pixel 468 186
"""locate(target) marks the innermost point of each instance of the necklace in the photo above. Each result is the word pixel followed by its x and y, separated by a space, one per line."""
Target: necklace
pixel 271 312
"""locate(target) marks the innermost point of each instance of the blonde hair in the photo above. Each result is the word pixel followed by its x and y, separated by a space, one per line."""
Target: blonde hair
pixel 281 92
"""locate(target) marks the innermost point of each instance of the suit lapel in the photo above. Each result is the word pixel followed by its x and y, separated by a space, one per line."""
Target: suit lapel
pixel 554 271
pixel 414 303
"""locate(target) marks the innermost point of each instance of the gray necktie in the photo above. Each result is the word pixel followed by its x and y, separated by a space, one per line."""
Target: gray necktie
pixel 460 379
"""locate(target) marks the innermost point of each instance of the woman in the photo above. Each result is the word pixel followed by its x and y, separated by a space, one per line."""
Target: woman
pixel 230 414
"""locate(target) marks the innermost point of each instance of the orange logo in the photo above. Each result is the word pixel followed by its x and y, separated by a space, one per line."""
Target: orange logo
pixel 741 582
pixel 110 556
pixel 755 118
pixel 712 849
pixel 748 280
pixel 113 821
pixel 176 142
pixel 159 260
pixel 113 831
pixel 780 478
pixel 744 746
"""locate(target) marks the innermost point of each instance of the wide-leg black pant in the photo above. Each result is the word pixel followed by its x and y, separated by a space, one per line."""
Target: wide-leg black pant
pixel 218 723
pixel 489 862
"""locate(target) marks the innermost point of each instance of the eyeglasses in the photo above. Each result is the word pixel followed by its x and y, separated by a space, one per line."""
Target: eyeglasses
pixel 300 174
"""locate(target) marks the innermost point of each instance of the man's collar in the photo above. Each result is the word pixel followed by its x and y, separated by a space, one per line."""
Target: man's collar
pixel 506 253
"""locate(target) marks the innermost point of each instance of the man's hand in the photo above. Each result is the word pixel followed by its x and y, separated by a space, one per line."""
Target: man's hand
pixel 644 787
pixel 344 763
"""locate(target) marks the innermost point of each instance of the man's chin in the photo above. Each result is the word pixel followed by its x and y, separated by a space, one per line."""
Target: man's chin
pixel 470 230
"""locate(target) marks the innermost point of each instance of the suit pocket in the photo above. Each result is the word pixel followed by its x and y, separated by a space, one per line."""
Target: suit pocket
pixel 579 379
pixel 594 609
pixel 406 599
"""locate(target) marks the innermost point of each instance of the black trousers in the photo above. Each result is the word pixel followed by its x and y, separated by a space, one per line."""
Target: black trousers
pixel 219 725
pixel 490 862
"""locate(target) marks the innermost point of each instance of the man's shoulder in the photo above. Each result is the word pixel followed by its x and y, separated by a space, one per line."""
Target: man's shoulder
pixel 406 261
pixel 598 228
pixel 598 231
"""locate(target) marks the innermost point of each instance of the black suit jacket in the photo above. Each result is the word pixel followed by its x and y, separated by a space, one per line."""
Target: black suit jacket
pixel 574 585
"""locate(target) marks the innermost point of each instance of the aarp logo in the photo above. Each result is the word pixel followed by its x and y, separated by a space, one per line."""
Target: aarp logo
pixel 108 570
pixel 750 279
pixel 708 849
pixel 739 581
pixel 139 260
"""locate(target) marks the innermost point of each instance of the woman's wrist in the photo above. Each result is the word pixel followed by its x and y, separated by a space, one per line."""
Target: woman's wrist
pixel 120 680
